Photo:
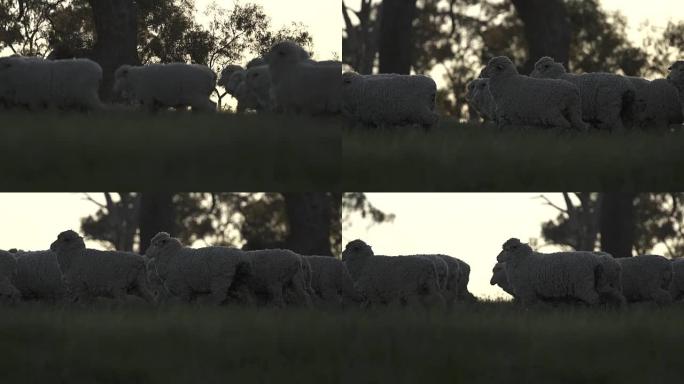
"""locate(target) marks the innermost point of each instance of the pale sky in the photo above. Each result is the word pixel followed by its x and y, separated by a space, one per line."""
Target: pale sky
pixel 470 226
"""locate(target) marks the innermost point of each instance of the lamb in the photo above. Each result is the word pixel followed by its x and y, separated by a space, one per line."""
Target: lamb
pixel 331 282
pixel 563 275
pixel 187 272
pixel 677 285
pixel 606 97
pixel 278 277
pixel 522 100
pixel 9 294
pixel 167 85
pixel 90 273
pixel 657 103
pixel 300 84
pixel 389 99
pixel 480 99
pixel 646 278
pixel 39 277
pixel 397 280
pixel 38 83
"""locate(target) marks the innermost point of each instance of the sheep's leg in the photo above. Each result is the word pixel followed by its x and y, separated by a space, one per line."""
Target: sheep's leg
pixel 219 289
pixel 275 293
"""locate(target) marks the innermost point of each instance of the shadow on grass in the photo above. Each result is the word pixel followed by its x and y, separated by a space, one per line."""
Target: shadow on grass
pixel 178 151
pixel 473 157
pixel 483 343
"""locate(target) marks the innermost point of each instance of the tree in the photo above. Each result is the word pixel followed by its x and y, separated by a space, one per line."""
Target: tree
pixel 157 214
pixel 577 225
pixel 309 218
pixel 394 46
pixel 360 42
pixel 617 223
pixel 547 30
pixel 116 221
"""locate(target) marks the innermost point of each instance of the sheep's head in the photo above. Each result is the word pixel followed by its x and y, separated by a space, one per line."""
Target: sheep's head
pixel 474 87
pixel 121 82
pixel 513 249
pixel 66 241
pixel 234 82
pixel 256 62
pixel 226 73
pixel 356 249
pixel 161 242
pixel 499 65
pixel 547 68
pixel 286 52
pixel 258 77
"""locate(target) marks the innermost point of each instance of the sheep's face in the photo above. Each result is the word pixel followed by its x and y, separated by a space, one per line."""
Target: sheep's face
pixel 122 83
pixel 355 250
pixel 161 243
pixel 513 249
pixel 66 241
pixel 547 68
pixel 226 73
pixel 234 82
pixel 497 66
pixel 286 52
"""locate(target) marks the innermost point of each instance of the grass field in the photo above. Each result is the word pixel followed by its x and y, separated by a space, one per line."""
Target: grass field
pixel 483 343
pixel 178 151
pixel 471 157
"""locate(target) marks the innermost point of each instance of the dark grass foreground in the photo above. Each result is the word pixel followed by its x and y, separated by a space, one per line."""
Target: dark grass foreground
pixel 471 157
pixel 179 151
pixel 485 343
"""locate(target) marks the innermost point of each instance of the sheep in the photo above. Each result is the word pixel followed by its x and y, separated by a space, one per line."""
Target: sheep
pixel 499 278
pixel 480 99
pixel 90 273
pixel 187 272
pixel 677 285
pixel 9 294
pixel 657 103
pixel 396 280
pixel 168 85
pixel 523 100
pixel 237 87
pixel 331 282
pixel 278 277
pixel 609 280
pixel 258 82
pixel 646 278
pixel 300 84
pixel 442 269
pixel 226 73
pixel 563 275
pixel 38 83
pixel 39 277
pixel 606 97
pixel 389 99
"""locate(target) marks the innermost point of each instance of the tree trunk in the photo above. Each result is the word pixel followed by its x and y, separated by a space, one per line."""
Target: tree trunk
pixel 395 43
pixel 547 30
pixel 157 214
pixel 309 215
pixel 617 223
pixel 116 38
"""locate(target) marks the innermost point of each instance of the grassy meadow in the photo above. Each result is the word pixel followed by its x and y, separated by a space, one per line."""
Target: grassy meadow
pixel 479 343
pixel 63 151
pixel 474 157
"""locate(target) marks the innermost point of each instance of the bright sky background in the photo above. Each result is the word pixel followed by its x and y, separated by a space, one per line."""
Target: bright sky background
pixel 470 226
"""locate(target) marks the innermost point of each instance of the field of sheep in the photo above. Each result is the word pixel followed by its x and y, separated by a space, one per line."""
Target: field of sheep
pixel 61 151
pixel 475 157
pixel 481 343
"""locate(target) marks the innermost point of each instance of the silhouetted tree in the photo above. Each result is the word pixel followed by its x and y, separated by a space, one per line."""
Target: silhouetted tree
pixel 157 214
pixel 394 46
pixel 617 223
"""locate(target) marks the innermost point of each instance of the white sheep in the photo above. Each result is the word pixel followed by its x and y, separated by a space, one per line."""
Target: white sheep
pixel 646 278
pixel 389 99
pixel 277 277
pixel 187 272
pixel 38 276
pixel 38 83
pixel 606 97
pixel 300 84
pixel 523 100
pixel 480 99
pixel 677 285
pixel 9 294
pixel 331 282
pixel 167 85
pixel 398 280
pixel 90 273
pixel 657 103
pixel 563 275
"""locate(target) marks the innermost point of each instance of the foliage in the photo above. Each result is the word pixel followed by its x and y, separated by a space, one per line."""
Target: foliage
pixel 358 203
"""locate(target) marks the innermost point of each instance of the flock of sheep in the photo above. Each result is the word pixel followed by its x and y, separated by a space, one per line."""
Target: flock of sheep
pixel 551 97
pixel 286 80
pixel 171 272
pixel 588 277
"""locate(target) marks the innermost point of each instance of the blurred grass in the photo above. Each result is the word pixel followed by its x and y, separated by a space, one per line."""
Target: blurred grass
pixel 473 157
pixel 168 151
pixel 484 343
